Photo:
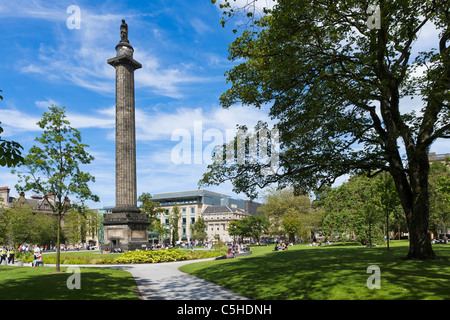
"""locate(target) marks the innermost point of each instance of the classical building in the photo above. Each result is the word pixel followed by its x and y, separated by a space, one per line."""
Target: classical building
pixel 203 203
pixel 37 203
pixel 217 220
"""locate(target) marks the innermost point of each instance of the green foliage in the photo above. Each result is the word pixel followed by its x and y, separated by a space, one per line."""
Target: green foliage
pixel 335 88
pixel 151 208
pixel 199 230
pixel 290 214
pixel 143 256
pixel 54 167
pixel 253 226
pixel 174 223
pixel 360 208
pixel 10 151
pixel 19 224
pixel 439 191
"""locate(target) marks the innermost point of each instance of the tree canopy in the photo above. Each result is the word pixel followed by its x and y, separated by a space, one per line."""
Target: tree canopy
pixel 10 151
pixel 54 167
pixel 337 84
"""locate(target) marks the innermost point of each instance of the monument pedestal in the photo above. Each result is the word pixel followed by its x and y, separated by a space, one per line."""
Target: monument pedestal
pixel 125 230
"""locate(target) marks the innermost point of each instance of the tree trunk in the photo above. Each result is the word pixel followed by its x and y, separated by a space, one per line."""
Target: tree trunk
pixel 58 244
pixel 387 229
pixel 419 233
pixel 413 194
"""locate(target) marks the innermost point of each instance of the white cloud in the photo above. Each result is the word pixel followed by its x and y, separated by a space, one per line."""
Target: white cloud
pixel 10 118
pixel 45 104
pixel 79 56
pixel 28 122
pixel 159 125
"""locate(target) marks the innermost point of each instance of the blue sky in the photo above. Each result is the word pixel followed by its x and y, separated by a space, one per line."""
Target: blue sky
pixel 183 50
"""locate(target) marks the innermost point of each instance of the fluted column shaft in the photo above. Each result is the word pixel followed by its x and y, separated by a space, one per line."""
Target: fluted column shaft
pixel 126 193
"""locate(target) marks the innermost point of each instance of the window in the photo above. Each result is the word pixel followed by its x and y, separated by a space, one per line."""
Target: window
pixel 193 210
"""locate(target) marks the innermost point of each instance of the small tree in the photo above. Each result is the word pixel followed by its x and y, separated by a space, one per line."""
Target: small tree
pixel 152 210
pixel 174 221
pixel 199 230
pixel 292 225
pixel 254 226
pixel 55 168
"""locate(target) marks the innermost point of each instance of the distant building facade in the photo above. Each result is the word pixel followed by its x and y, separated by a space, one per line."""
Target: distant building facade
pixel 217 209
pixel 218 218
pixel 433 157
pixel 37 203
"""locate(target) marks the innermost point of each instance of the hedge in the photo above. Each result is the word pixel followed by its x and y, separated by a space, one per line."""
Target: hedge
pixel 143 256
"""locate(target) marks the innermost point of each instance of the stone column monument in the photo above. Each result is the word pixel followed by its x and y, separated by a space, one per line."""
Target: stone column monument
pixel 125 227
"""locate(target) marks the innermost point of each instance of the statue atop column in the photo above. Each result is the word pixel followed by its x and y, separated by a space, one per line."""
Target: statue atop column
pixel 124 32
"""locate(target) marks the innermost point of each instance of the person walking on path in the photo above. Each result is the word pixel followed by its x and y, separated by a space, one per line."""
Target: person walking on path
pixel 12 253
pixel 3 255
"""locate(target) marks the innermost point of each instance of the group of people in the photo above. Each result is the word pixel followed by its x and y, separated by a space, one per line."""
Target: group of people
pixel 236 248
pixel 282 246
pixel 7 254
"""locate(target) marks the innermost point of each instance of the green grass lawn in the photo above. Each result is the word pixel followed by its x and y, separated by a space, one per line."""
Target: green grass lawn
pixel 330 273
pixel 42 283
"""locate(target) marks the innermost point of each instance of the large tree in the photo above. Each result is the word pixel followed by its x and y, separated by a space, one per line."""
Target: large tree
pixel 336 75
pixel 54 167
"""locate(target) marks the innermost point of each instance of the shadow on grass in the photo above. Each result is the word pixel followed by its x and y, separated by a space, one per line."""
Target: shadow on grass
pixel 23 283
pixel 328 273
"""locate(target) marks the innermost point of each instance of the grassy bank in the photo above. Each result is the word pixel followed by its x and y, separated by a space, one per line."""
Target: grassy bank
pixel 330 273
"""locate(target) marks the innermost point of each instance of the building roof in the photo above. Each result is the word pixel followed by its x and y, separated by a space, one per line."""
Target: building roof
pixel 222 209
pixel 196 196
pixel 190 193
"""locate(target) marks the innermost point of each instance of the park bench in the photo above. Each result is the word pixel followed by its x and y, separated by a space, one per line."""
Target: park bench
pixel 39 263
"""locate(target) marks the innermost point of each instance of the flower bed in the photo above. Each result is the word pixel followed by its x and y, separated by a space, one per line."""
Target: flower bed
pixel 142 256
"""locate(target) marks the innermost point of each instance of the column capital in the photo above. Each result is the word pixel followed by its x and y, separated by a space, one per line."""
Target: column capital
pixel 124 59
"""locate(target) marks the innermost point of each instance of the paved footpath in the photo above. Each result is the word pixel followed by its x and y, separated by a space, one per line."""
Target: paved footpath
pixel 163 281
